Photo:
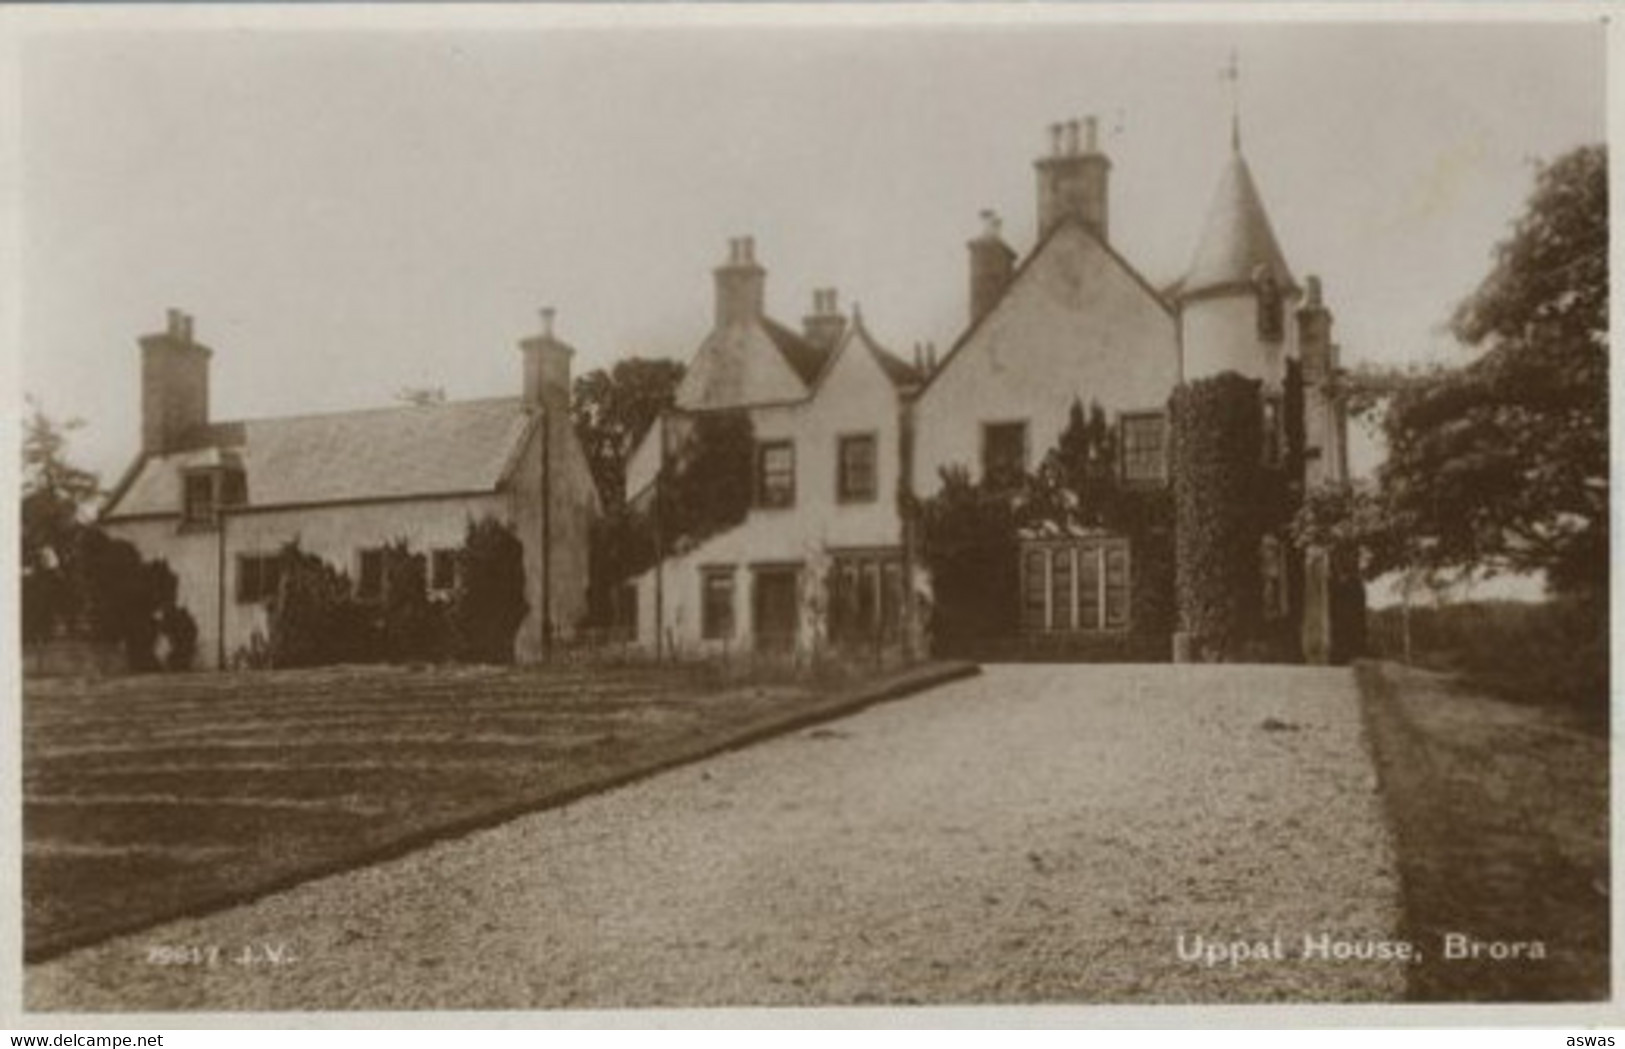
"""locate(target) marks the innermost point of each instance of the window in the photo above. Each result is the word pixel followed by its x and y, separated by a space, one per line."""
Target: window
pixel 717 603
pixel 442 571
pixel 199 497
pixel 865 597
pixel 1076 585
pixel 1272 565
pixel 1271 308
pixel 257 577
pixel 1004 452
pixel 1114 595
pixel 775 474
pixel 370 574
pixel 855 469
pixel 1145 457
pixel 205 491
pixel 1272 430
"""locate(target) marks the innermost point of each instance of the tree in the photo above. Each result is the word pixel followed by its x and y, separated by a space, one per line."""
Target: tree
pixel 1502 464
pixel 1084 464
pixel 56 497
pixel 613 409
pixel 708 486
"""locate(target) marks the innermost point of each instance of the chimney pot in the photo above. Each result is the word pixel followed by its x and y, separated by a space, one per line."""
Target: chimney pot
pixel 548 313
pixel 1072 137
pixel 1091 133
pixel 1055 133
pixel 174 322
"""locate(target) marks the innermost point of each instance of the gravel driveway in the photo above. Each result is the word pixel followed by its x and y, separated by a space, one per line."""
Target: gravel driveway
pixel 1037 834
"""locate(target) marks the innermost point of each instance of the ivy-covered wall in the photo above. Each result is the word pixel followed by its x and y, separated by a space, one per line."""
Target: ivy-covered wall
pixel 1221 514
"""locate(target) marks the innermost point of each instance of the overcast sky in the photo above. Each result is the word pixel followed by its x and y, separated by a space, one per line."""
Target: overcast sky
pixel 350 213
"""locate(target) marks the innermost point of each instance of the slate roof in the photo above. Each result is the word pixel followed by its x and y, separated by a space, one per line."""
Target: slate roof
pixel 805 358
pixel 1236 240
pixel 386 453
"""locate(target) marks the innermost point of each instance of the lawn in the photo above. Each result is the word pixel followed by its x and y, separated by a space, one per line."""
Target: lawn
pixel 1501 814
pixel 150 797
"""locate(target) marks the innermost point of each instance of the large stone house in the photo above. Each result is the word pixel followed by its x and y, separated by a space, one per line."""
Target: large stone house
pixel 1070 322
pixel 217 500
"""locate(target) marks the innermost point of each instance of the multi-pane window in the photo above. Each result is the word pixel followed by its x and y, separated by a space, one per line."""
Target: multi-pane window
pixel 442 570
pixel 199 498
pixel 856 480
pixel 257 577
pixel 205 491
pixel 1004 452
pixel 865 597
pixel 369 578
pixel 1070 585
pixel 775 474
pixel 1145 452
pixel 717 603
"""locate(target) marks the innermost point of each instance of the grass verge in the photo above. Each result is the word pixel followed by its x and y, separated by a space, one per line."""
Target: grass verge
pixel 1500 814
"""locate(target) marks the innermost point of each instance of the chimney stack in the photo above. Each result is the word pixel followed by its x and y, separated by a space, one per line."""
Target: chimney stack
pixel 1073 179
pixel 174 385
pixel 1315 335
pixel 824 326
pixel 547 369
pixel 741 284
pixel 992 264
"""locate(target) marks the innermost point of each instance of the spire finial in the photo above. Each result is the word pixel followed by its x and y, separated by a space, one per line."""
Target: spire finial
pixel 1232 73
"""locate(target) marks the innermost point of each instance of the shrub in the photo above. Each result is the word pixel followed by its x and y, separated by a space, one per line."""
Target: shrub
pixel 490 603
pixel 314 620
pixel 968 538
pixel 409 627
pixel 128 601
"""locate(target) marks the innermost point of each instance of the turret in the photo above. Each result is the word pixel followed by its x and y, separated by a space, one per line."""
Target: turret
pixel 1235 298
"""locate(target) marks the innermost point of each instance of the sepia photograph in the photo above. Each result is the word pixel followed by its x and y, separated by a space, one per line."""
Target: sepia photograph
pixel 555 509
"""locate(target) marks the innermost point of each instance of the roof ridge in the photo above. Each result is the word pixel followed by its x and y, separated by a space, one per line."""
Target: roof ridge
pixel 374 410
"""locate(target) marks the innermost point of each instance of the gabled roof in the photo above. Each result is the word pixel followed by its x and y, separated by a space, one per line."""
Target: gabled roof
pixel 900 372
pixel 1067 222
pixel 461 447
pixel 806 358
pixel 1237 239
pixel 746 364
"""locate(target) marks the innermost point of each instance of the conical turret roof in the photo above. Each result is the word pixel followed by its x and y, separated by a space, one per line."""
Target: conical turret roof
pixel 1236 240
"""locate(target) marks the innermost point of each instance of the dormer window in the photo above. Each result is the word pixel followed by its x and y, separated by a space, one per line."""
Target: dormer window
pixel 208 490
